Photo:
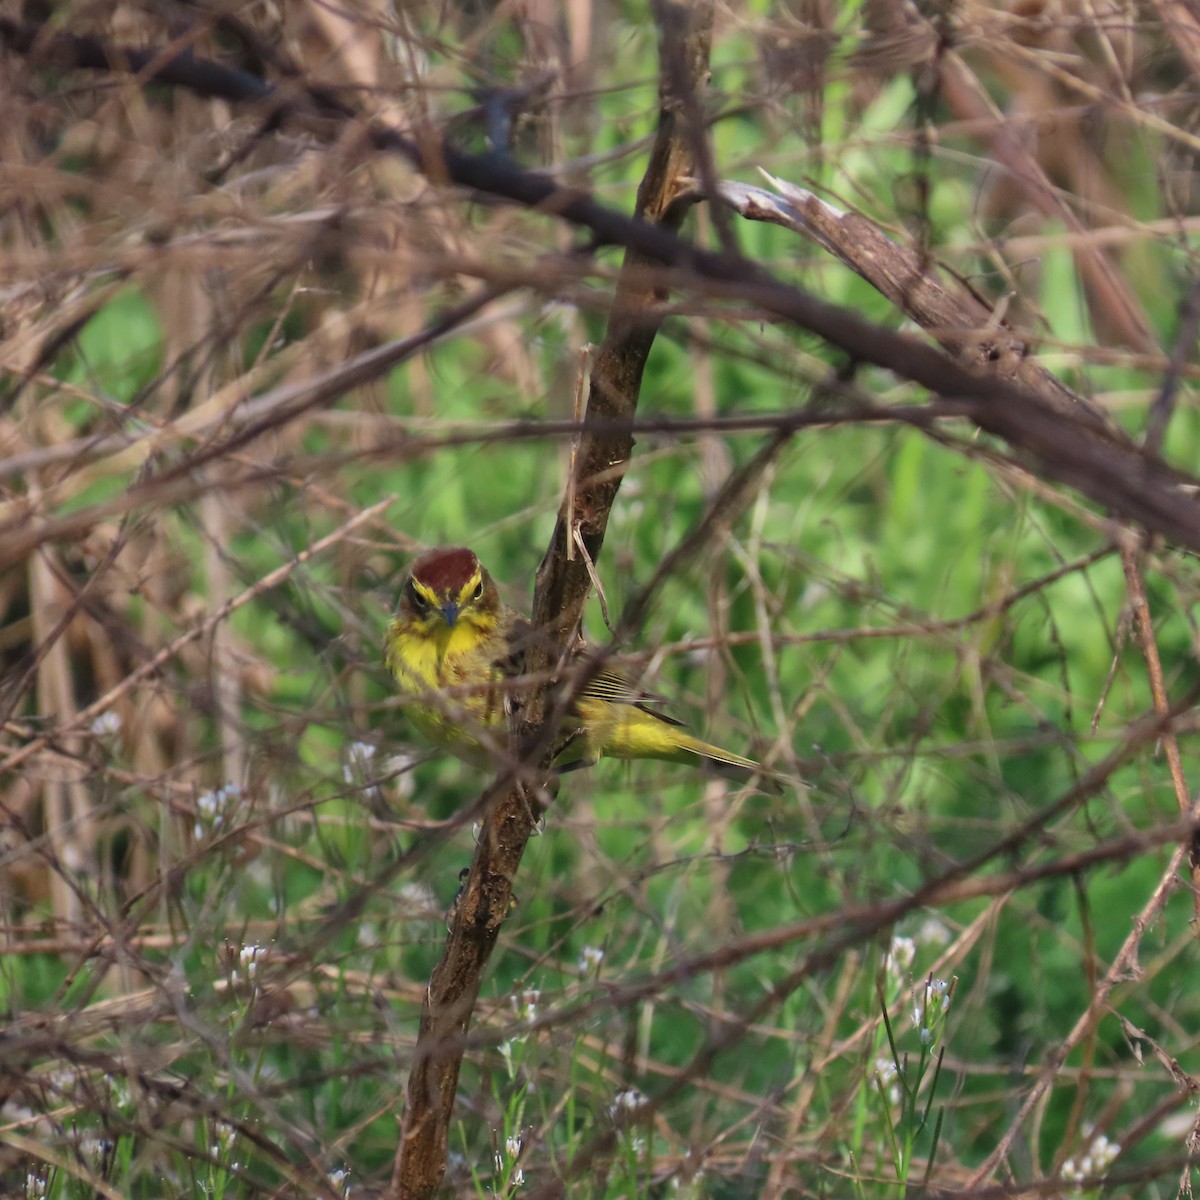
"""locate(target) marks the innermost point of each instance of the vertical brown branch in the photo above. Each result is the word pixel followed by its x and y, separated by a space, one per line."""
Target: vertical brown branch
pixel 607 441
pixel 562 586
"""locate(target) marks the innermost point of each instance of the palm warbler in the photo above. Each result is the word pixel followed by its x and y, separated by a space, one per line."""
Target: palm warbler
pixel 452 648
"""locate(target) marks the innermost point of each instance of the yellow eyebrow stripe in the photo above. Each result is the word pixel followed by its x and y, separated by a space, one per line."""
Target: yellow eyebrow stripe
pixel 427 592
pixel 469 587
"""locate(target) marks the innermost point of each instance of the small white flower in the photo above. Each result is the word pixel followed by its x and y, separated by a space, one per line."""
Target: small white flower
pixel 357 766
pixel 213 807
pixel 107 724
pixel 525 1003
pixel 590 959
pixel 889 1079
pixel 937 998
pixel 250 957
pixel 340 1182
pixel 627 1100
pixel 1102 1152
pixel 1097 1157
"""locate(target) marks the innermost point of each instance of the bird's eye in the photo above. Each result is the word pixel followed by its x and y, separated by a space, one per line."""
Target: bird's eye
pixel 418 602
pixel 477 594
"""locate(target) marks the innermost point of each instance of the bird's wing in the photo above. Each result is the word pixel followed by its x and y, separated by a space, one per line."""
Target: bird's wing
pixel 617 688
pixel 608 683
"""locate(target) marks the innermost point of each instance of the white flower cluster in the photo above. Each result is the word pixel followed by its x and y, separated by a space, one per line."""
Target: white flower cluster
pixel 590 959
pixel 525 1004
pixel 627 1100
pixel 628 1103
pixel 889 1079
pixel 214 808
pixel 361 770
pixel 512 1150
pixel 249 959
pixel 1094 1162
pixel 356 768
pixel 930 1013
pixel 224 1135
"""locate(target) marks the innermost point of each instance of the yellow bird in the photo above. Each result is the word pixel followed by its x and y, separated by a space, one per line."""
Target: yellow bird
pixel 452 649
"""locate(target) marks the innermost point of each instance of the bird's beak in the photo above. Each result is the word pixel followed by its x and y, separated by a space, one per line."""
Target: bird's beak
pixel 450 611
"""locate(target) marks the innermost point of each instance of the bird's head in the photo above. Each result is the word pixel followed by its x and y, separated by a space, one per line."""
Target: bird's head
pixel 447 588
